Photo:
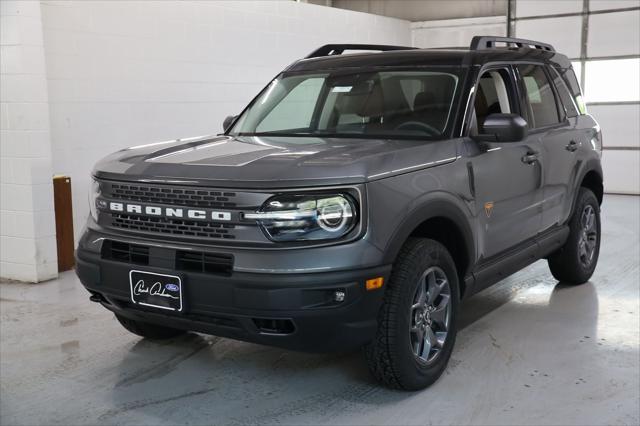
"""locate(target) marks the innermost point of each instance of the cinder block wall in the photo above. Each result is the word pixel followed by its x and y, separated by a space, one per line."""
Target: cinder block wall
pixel 27 226
pixel 130 73
pixel 81 79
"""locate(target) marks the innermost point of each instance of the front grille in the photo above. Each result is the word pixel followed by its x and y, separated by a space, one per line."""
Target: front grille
pixel 209 263
pixel 196 197
pixel 125 252
pixel 171 226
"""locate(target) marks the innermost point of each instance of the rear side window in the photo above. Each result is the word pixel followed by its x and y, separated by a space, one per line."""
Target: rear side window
pixel 565 96
pixel 542 102
pixel 569 77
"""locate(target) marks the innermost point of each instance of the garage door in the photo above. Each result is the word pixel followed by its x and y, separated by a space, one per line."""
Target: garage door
pixel 601 38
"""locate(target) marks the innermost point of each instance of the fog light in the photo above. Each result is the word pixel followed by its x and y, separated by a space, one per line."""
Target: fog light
pixel 339 296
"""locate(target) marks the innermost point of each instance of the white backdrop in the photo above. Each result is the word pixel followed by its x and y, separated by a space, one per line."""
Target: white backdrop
pixel 455 32
pixel 81 79
pixel 129 73
pixel 608 54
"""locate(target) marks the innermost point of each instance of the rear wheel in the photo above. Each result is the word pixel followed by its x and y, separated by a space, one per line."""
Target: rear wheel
pixel 575 262
pixel 150 331
pixel 417 322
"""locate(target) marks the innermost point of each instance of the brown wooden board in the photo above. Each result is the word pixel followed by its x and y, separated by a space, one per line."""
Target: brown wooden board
pixel 64 222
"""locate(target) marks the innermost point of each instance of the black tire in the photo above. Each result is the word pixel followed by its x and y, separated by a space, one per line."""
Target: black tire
pixel 390 356
pixel 149 331
pixel 570 264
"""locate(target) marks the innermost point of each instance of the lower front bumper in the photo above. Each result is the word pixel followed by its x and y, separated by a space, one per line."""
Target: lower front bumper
pixel 292 311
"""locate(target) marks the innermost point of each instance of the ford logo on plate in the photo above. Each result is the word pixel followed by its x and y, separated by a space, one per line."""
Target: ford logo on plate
pixel 172 287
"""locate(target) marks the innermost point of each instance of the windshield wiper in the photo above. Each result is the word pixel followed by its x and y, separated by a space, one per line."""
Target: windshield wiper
pixel 275 134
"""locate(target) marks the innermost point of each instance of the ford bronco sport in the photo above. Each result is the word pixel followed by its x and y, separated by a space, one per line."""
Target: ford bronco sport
pixel 353 203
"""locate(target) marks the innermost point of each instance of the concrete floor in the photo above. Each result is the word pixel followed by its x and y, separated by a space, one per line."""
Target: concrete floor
pixel 531 351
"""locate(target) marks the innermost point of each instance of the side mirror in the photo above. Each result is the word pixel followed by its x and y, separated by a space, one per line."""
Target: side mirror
pixel 503 128
pixel 228 122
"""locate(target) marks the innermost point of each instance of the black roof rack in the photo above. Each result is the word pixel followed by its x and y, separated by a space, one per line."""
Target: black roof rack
pixel 338 49
pixel 489 42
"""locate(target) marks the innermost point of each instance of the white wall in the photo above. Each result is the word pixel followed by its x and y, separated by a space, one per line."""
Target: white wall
pixel 128 73
pixel 423 10
pixel 28 244
pixel 610 61
pixel 455 32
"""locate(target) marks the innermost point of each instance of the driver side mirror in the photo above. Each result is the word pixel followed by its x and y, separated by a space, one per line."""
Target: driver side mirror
pixel 503 128
pixel 228 122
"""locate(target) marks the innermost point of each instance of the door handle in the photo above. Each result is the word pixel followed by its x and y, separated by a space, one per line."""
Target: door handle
pixel 530 157
pixel 572 146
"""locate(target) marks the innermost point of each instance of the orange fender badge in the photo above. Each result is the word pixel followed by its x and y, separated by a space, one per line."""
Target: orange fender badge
pixel 488 208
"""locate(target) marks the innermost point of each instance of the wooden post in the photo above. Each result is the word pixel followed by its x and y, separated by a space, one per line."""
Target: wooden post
pixel 64 222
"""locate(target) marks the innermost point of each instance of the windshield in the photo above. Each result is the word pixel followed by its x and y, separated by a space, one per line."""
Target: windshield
pixel 415 104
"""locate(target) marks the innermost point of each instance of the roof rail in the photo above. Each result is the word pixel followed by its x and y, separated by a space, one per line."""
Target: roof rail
pixel 489 42
pixel 338 49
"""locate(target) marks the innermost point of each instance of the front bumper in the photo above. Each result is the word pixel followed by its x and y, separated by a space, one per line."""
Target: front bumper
pixel 289 310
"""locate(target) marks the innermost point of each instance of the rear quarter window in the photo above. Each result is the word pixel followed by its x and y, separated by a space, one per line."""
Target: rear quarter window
pixel 569 77
pixel 566 97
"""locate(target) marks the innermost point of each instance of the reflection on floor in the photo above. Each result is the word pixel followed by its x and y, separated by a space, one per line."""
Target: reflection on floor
pixel 531 351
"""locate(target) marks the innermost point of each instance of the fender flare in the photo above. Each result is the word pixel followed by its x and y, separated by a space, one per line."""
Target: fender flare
pixel 431 206
pixel 591 165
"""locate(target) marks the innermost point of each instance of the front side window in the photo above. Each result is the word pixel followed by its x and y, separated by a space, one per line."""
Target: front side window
pixel 492 96
pixel 413 104
pixel 541 100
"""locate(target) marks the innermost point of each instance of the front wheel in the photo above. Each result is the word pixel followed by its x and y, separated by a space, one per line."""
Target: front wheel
pixel 417 321
pixel 575 262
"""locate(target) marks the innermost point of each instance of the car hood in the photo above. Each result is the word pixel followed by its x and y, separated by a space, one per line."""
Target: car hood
pixel 272 162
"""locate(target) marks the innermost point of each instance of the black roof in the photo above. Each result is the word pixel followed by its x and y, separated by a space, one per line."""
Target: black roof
pixel 417 57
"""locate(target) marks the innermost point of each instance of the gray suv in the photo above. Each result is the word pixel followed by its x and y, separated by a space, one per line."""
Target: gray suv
pixel 353 203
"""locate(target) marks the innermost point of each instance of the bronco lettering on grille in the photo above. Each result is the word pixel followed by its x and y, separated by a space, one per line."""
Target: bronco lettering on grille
pixel 195 214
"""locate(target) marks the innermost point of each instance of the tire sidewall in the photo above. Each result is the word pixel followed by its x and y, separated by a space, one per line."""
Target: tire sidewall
pixel 416 374
pixel 586 198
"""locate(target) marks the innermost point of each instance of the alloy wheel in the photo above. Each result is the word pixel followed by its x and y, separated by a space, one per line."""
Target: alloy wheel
pixel 430 315
pixel 588 239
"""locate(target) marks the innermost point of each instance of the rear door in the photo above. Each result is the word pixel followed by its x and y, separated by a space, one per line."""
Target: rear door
pixel 507 176
pixel 554 123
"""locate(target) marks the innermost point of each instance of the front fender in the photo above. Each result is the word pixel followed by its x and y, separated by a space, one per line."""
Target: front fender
pixel 429 206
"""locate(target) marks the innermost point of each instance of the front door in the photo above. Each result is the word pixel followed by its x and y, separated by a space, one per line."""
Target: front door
pixel 507 176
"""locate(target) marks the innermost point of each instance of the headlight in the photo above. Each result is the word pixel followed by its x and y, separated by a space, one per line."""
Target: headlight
pixel 307 217
pixel 94 193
